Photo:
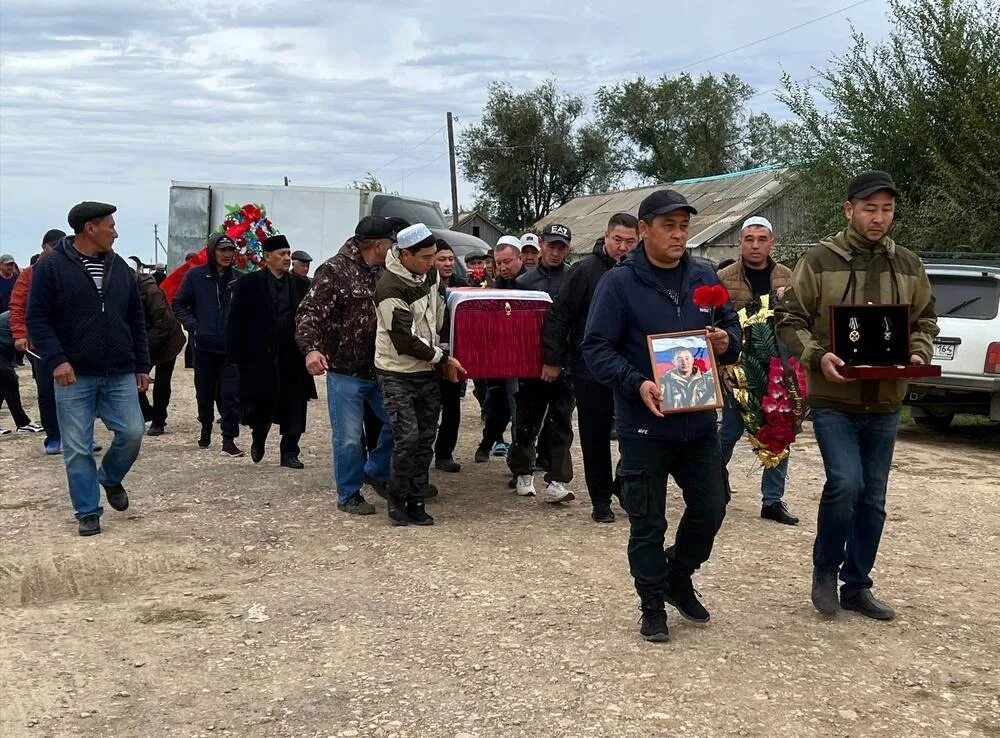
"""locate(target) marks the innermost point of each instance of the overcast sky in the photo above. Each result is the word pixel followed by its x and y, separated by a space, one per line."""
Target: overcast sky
pixel 110 100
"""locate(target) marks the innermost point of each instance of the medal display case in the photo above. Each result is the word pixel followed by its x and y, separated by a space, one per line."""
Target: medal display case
pixel 874 342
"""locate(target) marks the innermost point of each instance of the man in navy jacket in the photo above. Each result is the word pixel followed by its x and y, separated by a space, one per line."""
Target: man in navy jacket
pixel 86 321
pixel 647 294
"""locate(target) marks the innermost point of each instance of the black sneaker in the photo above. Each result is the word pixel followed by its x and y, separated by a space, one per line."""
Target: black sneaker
pixel 680 593
pixel 117 497
pixel 653 624
pixel 90 525
pixel 378 485
pixel 357 505
pixel 864 601
pixel 292 462
pixel 205 440
pixel 229 448
pixel 156 429
pixel 448 465
pixel 397 514
pixel 777 512
pixel 416 514
pixel 824 592
pixel 482 455
pixel 602 514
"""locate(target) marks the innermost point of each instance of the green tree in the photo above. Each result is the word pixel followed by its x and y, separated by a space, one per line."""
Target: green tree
pixel 682 127
pixel 923 105
pixel 369 182
pixel 532 152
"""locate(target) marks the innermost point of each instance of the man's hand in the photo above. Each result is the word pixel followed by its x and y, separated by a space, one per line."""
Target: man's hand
pixel 63 375
pixel 652 396
pixel 142 382
pixel 453 370
pixel 551 373
pixel 21 345
pixel 915 359
pixel 829 364
pixel 316 363
pixel 719 340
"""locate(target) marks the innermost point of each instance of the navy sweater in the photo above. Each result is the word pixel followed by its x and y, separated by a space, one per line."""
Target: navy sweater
pixel 99 332
pixel 630 304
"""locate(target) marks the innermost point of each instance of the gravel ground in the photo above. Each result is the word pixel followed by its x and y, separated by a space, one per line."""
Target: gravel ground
pixel 234 599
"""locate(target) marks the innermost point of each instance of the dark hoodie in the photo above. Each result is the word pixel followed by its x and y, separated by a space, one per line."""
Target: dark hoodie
pixel 631 304
pixel 99 332
pixel 562 334
pixel 202 302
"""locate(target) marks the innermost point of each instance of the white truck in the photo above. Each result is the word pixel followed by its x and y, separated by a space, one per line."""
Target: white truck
pixel 315 219
pixel 967 299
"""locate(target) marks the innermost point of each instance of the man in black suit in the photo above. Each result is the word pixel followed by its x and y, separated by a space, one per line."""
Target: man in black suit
pixel 260 339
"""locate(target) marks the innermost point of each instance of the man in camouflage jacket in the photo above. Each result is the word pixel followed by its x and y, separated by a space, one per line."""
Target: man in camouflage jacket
pixel 335 328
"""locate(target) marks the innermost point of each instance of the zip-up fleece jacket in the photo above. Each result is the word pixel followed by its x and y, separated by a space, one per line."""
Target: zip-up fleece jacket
pixel 631 304
pixel 849 269
pixel 410 311
pixel 99 332
pixel 562 333
pixel 734 278
pixel 544 279
pixel 202 304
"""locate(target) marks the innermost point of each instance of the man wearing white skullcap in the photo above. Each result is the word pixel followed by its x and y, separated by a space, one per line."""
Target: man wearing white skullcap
pixel 756 282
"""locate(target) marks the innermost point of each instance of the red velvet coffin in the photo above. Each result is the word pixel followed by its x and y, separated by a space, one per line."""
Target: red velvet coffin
pixel 497 334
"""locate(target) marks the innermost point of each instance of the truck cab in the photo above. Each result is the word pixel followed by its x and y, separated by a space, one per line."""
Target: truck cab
pixel 967 300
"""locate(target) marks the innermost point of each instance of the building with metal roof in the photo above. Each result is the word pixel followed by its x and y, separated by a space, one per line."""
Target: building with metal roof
pixel 723 203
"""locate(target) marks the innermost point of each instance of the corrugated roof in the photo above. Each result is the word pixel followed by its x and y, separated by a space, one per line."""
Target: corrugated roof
pixel 721 201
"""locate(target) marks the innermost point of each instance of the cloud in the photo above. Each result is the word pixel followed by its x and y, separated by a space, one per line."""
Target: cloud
pixel 112 100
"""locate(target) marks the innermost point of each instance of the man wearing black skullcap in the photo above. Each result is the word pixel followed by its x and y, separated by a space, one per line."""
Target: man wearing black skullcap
pixel 260 341
pixel 86 320
pixel 855 421
pixel 22 342
pixel 202 306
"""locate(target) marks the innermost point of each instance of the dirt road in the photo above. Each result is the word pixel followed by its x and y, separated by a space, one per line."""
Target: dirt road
pixel 233 599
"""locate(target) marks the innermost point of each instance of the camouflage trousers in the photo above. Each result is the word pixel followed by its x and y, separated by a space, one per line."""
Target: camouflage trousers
pixel 412 404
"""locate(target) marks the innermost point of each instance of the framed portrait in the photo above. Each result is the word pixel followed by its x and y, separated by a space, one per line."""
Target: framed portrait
pixel 684 368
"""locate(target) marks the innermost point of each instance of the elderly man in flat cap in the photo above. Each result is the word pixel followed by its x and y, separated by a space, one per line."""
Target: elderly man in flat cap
pixel 260 340
pixel 301 261
pixel 86 321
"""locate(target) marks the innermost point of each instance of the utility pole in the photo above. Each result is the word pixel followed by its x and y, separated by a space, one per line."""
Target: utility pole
pixel 454 175
pixel 156 244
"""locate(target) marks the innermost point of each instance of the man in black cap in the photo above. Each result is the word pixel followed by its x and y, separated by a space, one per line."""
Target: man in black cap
pixel 86 320
pixel 202 305
pixel 545 404
pixel 652 292
pixel 260 341
pixel 335 329
pixel 855 421
pixel 301 262
pixel 22 342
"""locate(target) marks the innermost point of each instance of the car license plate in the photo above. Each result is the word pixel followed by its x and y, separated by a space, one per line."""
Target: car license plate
pixel 944 351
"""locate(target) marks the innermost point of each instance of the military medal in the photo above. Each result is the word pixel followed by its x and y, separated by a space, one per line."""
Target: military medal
pixel 855 334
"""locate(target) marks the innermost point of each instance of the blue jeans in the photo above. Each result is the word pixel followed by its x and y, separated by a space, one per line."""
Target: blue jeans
pixel 345 399
pixel 115 401
pixel 772 481
pixel 857 454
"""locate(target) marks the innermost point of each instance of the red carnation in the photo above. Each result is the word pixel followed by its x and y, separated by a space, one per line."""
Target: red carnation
pixel 711 296
pixel 252 212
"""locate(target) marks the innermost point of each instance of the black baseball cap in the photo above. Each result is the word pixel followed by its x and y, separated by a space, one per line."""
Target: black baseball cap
pixel 374 227
pixel 867 184
pixel 557 232
pixel 662 202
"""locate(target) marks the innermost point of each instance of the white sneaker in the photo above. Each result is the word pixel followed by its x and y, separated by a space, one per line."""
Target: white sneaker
pixel 526 485
pixel 558 492
pixel 5 432
pixel 30 428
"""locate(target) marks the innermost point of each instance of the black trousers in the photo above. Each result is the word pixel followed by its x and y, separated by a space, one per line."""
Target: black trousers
pixel 451 418
pixel 217 384
pixel 157 412
pixel 412 404
pixel 595 417
pixel 534 399
pixel 285 409
pixel 498 415
pixel 289 447
pixel 696 466
pixel 10 392
pixel 371 429
pixel 46 398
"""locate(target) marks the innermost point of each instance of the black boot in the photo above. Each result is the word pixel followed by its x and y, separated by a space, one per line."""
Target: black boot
pixel 482 454
pixel 602 513
pixel 397 513
pixel 257 448
pixel 90 525
pixel 205 440
pixel 654 619
pixel 680 593
pixel 864 601
pixel 824 592
pixel 416 514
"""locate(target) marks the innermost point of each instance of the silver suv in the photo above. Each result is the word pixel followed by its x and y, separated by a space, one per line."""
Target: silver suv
pixel 967 298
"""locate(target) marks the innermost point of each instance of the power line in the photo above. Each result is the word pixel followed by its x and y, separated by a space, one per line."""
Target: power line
pixel 409 150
